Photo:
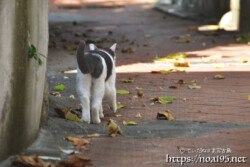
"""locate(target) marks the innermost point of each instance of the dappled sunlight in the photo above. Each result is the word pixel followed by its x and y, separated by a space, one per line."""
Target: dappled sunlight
pixel 233 57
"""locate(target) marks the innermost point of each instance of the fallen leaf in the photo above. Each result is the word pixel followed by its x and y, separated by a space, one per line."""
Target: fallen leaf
pixel 146 44
pixel 176 55
pixel 181 81
pixel 119 106
pixel 113 129
pixel 31 161
pixel 93 135
pixel 77 140
pixel 143 105
pixel 162 72
pixel 164 59
pixel 177 70
pixel 249 97
pixel 219 67
pixel 168 98
pixel 127 80
pixel 122 92
pixel 219 76
pixel 59 87
pixel 57 94
pixel 130 123
pixel 118 115
pixel 192 28
pixel 72 48
pixel 67 114
pixel 140 93
pixel 134 97
pixel 194 86
pixel 127 50
pixel 79 34
pixel 72 97
pixel 162 100
pixel 75 161
pixel 138 115
pixel 165 115
pixel 174 87
pixel 76 23
pixel 183 40
pixel 148 35
pixel 90 30
pixel 244 61
pixel 182 64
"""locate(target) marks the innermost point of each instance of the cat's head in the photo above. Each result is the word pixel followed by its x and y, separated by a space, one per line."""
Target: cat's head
pixel 110 50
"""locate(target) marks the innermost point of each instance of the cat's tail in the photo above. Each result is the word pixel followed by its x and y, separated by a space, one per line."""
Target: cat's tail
pixel 81 59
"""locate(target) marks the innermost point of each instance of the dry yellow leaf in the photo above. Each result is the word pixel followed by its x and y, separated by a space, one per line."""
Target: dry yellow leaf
pixel 113 129
pixel 93 135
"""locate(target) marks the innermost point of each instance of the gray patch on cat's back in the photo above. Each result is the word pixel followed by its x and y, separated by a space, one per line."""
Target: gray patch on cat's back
pixel 108 61
pixel 89 63
pixel 95 65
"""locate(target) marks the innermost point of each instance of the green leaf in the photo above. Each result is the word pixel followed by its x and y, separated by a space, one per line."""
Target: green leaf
pixel 127 80
pixel 72 117
pixel 168 98
pixel 194 86
pixel 59 87
pixel 40 61
pixel 163 59
pixel 183 40
pixel 122 92
pixel 33 48
pixel 164 102
pixel 219 67
pixel 131 123
pixel 119 106
pixel 219 76
pixel 176 55
pixel 72 48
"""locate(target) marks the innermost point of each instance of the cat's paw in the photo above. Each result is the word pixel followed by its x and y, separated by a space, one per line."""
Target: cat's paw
pixel 114 108
pixel 96 120
pixel 85 120
pixel 101 115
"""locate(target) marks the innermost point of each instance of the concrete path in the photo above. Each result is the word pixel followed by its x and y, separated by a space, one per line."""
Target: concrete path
pixel 214 117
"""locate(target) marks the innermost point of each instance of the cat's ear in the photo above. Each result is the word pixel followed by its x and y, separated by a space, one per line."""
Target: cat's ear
pixel 92 46
pixel 113 47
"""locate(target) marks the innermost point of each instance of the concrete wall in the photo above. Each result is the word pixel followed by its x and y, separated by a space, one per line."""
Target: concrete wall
pixel 23 22
pixel 244 20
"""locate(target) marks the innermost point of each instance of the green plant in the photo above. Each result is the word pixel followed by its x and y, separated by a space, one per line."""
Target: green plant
pixel 32 53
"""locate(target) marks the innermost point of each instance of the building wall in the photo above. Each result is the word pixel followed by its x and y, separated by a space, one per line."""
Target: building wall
pixel 23 22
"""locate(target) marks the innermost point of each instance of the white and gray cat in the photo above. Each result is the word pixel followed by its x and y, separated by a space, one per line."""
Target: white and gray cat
pixel 95 80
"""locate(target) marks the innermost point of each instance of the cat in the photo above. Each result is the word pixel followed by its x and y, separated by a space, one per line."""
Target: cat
pixel 95 80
